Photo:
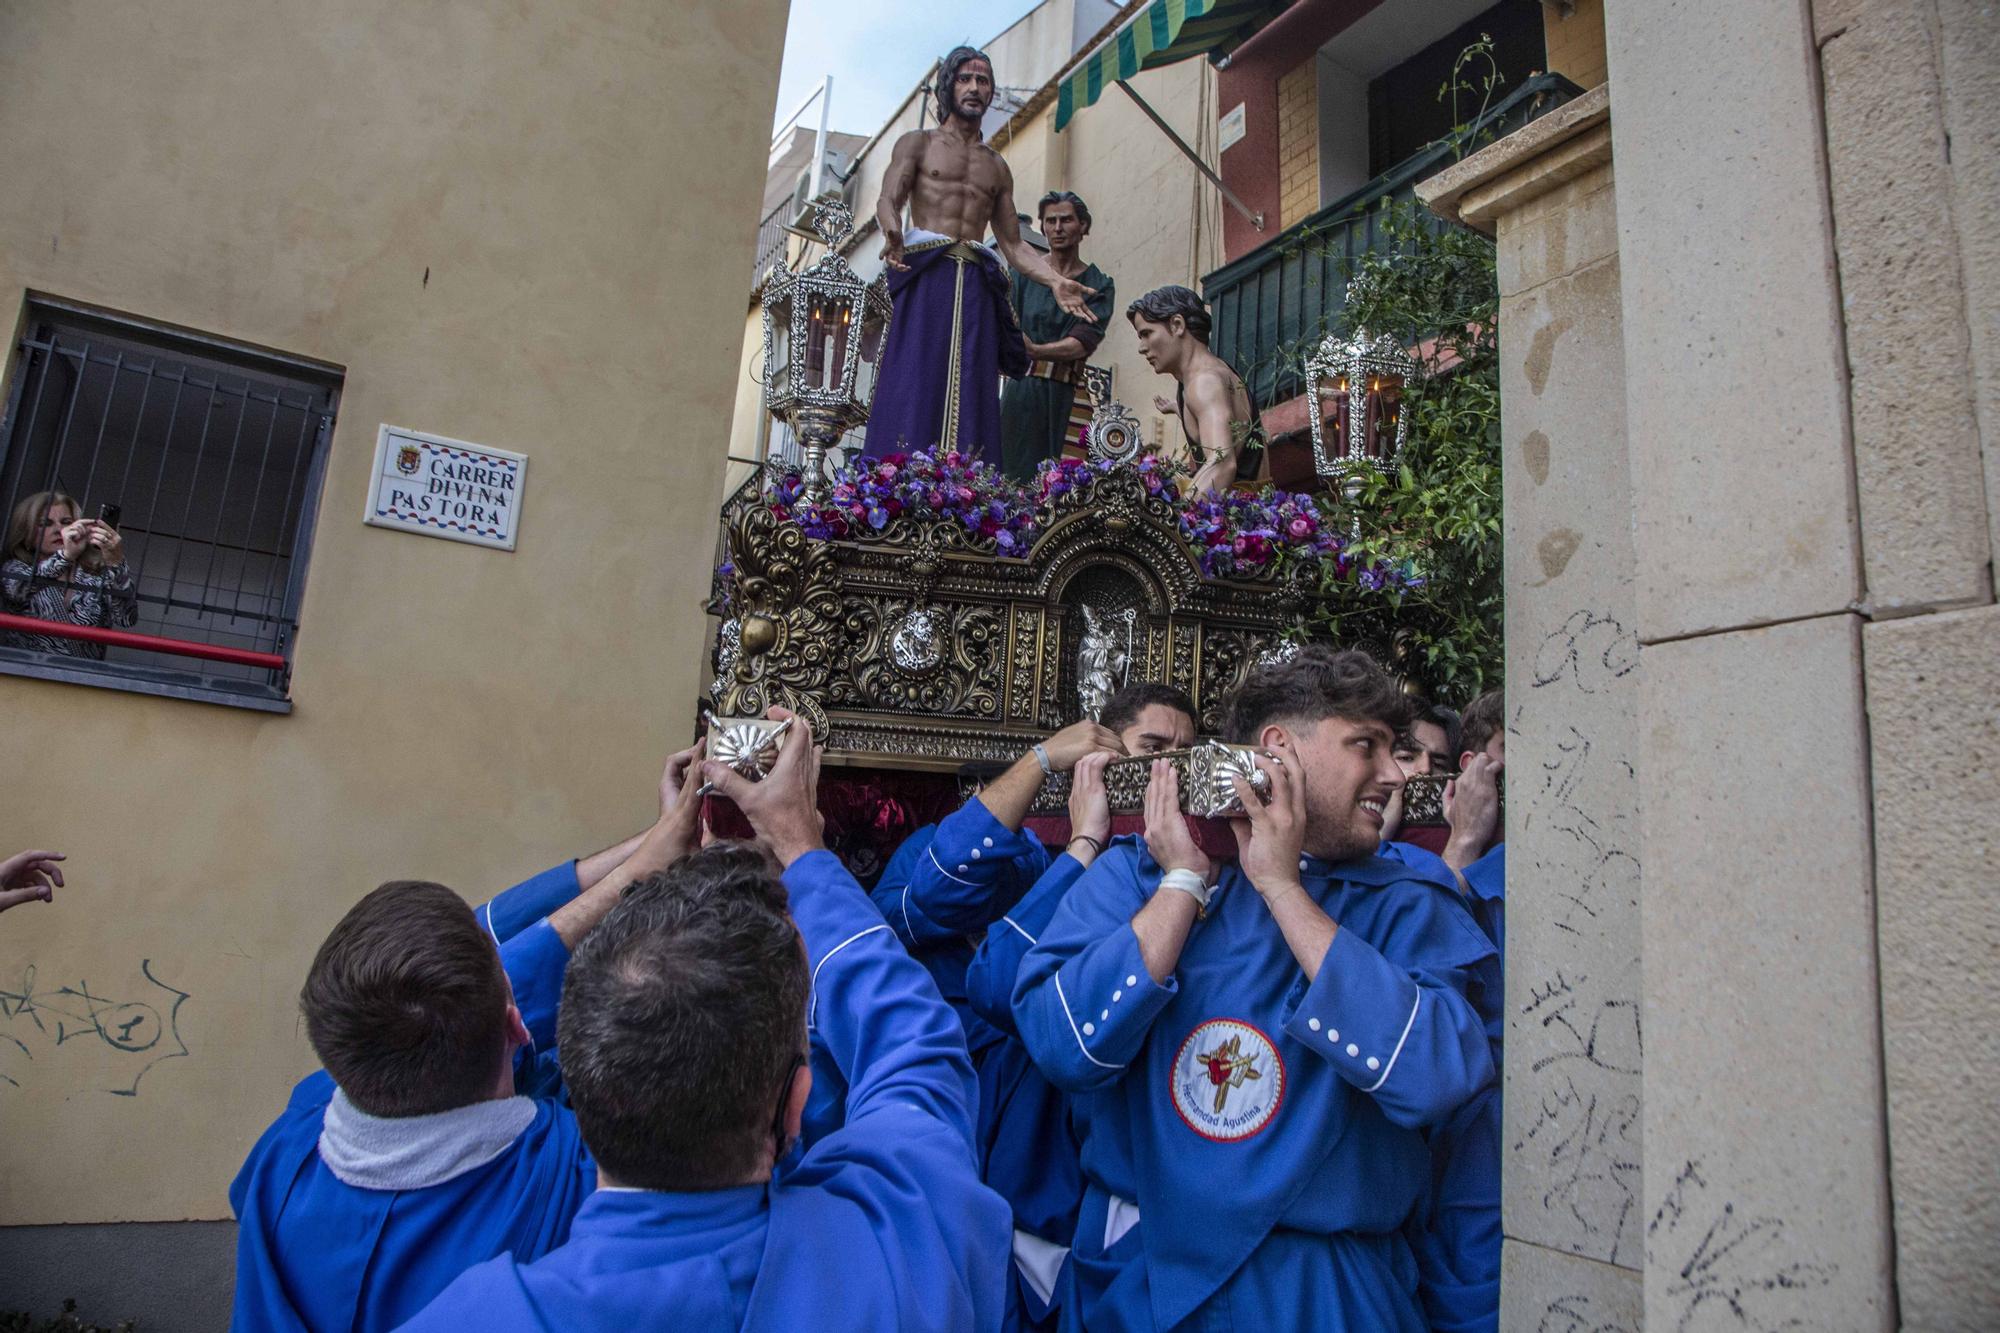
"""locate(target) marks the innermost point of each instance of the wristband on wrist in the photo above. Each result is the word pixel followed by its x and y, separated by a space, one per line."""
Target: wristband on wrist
pixel 1041 754
pixel 1192 884
pixel 1096 847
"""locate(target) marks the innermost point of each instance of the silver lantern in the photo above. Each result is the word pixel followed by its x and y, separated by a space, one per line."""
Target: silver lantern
pixel 824 329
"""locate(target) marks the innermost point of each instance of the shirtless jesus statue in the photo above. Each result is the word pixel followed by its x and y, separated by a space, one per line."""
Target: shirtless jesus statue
pixel 953 333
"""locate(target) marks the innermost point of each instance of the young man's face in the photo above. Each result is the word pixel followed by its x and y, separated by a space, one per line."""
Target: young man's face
pixel 1160 344
pixel 1433 749
pixel 1350 774
pixel 1158 727
pixel 1062 226
pixel 972 89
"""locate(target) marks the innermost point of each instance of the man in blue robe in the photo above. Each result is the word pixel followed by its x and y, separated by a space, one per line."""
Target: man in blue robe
pixel 953 334
pixel 684 1039
pixel 1456 1234
pixel 433 1138
pixel 978 888
pixel 1263 1043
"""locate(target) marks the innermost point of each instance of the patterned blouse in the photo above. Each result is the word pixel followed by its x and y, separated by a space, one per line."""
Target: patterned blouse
pixel 61 591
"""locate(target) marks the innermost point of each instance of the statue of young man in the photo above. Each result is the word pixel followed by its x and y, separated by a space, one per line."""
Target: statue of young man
pixel 953 333
pixel 1225 440
pixel 1034 411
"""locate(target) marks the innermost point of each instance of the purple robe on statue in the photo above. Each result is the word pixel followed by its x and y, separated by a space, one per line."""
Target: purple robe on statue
pixel 952 336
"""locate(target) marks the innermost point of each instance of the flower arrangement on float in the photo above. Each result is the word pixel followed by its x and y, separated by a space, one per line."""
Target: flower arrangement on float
pixel 868 494
pixel 1238 534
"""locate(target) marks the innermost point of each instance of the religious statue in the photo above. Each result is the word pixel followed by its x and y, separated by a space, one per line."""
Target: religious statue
pixel 953 333
pixel 1102 662
pixel 1225 439
pixel 1034 410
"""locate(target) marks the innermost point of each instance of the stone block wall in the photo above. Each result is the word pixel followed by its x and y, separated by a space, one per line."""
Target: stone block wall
pixel 1751 431
pixel 1912 98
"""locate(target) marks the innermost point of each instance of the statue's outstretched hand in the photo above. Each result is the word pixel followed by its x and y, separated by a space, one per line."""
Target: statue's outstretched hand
pixel 892 249
pixel 1073 297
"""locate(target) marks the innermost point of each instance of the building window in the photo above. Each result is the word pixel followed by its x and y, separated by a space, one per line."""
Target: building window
pixel 207 457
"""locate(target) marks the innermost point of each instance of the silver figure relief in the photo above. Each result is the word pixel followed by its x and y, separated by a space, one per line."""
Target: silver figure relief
pixel 916 644
pixel 1104 658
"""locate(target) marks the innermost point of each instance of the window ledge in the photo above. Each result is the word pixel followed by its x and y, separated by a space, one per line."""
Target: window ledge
pixel 135 679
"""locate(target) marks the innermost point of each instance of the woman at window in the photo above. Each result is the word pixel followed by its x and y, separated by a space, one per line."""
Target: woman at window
pixel 64 567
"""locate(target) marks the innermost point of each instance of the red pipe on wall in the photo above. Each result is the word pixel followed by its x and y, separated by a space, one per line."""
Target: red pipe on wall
pixel 118 638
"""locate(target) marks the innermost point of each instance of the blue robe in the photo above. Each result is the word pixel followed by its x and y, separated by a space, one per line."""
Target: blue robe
pixel 1458 1243
pixel 880 1224
pixel 912 878
pixel 949 883
pixel 1028 1149
pixel 314 1252
pixel 1253 1144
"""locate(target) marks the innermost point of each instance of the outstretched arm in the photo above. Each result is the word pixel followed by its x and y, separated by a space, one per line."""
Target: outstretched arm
pixel 896 186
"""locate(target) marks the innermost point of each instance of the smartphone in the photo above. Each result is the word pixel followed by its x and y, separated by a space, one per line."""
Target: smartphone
pixel 109 515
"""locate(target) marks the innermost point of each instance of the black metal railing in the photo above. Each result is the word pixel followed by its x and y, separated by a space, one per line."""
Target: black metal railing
pixel 212 454
pixel 1275 303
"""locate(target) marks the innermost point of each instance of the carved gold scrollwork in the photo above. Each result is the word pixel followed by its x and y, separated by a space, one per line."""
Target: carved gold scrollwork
pixel 950 661
pixel 787 599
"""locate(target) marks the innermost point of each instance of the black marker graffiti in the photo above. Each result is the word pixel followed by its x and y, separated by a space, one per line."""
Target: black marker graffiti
pixel 130 1028
pixel 1589 649
pixel 1737 1269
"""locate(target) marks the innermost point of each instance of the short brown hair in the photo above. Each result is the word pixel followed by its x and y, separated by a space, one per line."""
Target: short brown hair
pixel 406 1002
pixel 683 1017
pixel 1484 718
pixel 1124 707
pixel 1312 685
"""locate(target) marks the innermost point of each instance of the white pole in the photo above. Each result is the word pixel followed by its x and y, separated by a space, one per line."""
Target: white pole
pixel 819 147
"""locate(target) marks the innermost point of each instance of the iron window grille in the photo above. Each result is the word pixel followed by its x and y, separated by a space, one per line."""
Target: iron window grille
pixel 214 451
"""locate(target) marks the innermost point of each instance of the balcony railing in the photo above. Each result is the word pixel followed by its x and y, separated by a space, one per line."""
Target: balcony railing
pixel 1272 305
pixel 771 241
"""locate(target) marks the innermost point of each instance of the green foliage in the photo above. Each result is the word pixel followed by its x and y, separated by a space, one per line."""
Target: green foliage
pixel 20 1321
pixel 1438 512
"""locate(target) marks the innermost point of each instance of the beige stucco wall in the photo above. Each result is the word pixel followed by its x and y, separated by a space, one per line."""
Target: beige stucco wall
pixel 284 174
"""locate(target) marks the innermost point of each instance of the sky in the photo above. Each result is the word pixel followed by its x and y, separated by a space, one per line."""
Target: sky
pixel 876 51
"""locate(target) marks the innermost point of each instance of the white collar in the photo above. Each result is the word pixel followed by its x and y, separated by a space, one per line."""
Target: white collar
pixel 417 1151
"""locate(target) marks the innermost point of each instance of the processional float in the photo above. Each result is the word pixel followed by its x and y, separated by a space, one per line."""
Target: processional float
pixel 919 612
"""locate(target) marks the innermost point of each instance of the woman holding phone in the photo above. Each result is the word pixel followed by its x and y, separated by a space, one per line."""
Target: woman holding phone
pixel 66 568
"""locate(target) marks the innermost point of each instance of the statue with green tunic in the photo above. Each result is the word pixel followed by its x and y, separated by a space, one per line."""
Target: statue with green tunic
pixel 1034 410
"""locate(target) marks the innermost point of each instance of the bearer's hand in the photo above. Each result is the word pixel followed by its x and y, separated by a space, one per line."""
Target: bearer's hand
pixel 29 877
pixel 1167 836
pixel 674 780
pixel 679 828
pixel 1271 835
pixel 784 807
pixel 1472 808
pixel 1089 803
pixel 1078 739
pixel 1073 297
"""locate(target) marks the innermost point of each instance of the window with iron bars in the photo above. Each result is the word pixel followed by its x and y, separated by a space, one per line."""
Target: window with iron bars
pixel 207 457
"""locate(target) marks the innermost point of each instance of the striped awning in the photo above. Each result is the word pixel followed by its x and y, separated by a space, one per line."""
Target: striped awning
pixel 1160 34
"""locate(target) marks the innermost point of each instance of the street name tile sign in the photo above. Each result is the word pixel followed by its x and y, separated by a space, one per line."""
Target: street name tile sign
pixel 441 487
